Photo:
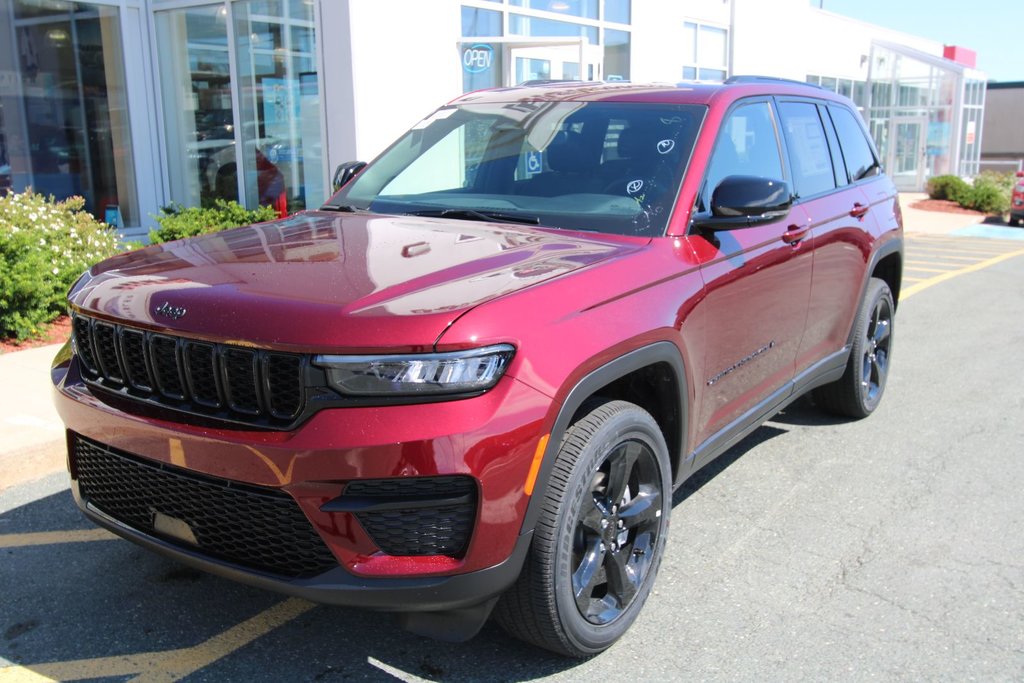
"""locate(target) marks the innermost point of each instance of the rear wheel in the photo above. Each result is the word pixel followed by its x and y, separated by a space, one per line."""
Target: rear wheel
pixel 600 536
pixel 858 392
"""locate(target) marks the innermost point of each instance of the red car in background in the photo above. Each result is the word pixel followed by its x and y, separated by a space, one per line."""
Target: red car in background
pixel 1017 200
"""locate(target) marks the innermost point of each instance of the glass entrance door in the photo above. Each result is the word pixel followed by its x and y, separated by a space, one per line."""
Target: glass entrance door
pixel 907 160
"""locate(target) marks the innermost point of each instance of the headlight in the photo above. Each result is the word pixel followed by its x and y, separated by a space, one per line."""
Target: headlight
pixel 458 372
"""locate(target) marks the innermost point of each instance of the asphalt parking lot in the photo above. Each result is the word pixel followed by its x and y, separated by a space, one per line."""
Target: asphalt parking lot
pixel 890 548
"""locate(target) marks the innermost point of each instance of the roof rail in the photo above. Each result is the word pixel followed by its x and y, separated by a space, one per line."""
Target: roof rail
pixel 768 79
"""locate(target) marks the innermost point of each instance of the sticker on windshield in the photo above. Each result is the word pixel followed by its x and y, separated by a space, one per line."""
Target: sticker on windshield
pixel 666 146
pixel 534 162
pixel 634 186
pixel 670 120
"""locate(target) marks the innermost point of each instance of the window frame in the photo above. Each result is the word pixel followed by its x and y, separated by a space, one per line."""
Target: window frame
pixel 703 196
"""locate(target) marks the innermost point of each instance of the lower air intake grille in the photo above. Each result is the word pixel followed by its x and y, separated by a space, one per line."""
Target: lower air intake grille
pixel 249 526
pixel 423 515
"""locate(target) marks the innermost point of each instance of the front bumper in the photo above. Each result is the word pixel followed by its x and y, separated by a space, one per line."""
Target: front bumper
pixel 339 587
pixel 490 438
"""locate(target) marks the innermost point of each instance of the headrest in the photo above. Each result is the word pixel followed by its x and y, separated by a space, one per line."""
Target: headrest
pixel 568 153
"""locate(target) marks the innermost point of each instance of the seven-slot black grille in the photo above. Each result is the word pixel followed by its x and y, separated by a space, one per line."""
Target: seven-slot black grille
pixel 417 515
pixel 239 384
pixel 250 526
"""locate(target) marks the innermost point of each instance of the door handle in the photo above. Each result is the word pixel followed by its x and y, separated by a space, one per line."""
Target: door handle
pixel 859 210
pixel 795 233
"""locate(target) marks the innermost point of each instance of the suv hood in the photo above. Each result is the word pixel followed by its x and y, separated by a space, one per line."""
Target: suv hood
pixel 320 281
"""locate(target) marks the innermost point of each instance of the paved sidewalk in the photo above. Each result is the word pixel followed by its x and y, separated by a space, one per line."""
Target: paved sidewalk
pixel 31 434
pixel 932 222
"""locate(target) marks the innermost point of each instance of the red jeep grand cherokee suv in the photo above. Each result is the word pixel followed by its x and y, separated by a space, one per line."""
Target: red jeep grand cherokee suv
pixel 473 379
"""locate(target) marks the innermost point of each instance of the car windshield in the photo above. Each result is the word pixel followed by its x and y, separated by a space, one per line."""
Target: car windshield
pixel 612 167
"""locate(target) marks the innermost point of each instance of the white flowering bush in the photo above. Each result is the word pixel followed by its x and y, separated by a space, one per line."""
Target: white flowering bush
pixel 44 246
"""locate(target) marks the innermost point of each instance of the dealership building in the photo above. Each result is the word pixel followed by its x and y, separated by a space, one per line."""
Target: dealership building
pixel 137 104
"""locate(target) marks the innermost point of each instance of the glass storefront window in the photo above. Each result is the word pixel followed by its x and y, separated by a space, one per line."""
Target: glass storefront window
pixel 198 115
pixel 689 43
pixel 520 25
pixel 616 55
pixel 279 105
pixel 63 106
pixel 586 9
pixel 269 152
pixel 480 22
pixel 617 11
pixel 704 52
pixel 711 47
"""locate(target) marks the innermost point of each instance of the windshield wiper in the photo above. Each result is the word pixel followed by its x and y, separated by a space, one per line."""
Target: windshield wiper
pixel 475 215
pixel 344 208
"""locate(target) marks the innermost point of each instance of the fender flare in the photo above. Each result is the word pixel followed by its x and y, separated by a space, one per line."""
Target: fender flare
pixel 890 247
pixel 658 352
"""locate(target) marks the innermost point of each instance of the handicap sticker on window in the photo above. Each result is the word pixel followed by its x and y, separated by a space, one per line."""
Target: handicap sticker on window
pixel 534 162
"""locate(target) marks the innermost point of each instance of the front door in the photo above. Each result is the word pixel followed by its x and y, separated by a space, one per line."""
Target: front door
pixel 757 280
pixel 553 62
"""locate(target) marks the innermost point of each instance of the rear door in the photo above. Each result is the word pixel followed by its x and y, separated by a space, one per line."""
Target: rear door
pixel 838 214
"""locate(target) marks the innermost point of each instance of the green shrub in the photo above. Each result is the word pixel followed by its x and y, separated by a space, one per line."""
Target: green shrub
pixel 44 246
pixel 947 187
pixel 990 193
pixel 177 222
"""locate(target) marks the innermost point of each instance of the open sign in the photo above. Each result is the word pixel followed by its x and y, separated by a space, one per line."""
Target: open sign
pixel 477 58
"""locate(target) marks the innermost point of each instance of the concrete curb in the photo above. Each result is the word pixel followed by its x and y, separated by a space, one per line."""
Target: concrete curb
pixel 31 433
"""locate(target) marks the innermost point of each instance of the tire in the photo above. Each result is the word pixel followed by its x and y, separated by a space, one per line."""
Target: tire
pixel 584 583
pixel 858 392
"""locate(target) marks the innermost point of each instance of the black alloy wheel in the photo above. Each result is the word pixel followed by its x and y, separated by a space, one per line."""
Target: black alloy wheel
pixel 616 532
pixel 875 350
pixel 859 391
pixel 600 537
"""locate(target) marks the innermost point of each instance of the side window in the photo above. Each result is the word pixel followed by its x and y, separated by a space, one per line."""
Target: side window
pixel 747 145
pixel 860 161
pixel 808 148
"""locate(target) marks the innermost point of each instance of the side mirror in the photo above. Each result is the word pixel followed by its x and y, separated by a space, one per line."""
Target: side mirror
pixel 742 201
pixel 345 172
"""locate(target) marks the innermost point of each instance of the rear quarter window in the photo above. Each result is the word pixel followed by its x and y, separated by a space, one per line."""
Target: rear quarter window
pixel 857 155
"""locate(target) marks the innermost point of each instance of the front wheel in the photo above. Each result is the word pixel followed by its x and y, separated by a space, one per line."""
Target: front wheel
pixel 858 392
pixel 600 537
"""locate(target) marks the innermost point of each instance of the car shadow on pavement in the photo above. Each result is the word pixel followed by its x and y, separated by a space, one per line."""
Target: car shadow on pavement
pixel 805 413
pixel 719 464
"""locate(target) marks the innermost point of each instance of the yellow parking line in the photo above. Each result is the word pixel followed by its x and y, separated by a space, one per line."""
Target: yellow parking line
pixel 914 279
pixel 930 270
pixel 919 250
pixel 167 665
pixel 53 537
pixel 951 257
pixel 921 286
pixel 940 262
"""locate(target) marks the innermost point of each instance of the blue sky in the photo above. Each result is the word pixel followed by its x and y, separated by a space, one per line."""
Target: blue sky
pixel 992 28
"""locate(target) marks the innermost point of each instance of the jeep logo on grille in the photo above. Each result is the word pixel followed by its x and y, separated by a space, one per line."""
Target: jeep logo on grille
pixel 169 311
